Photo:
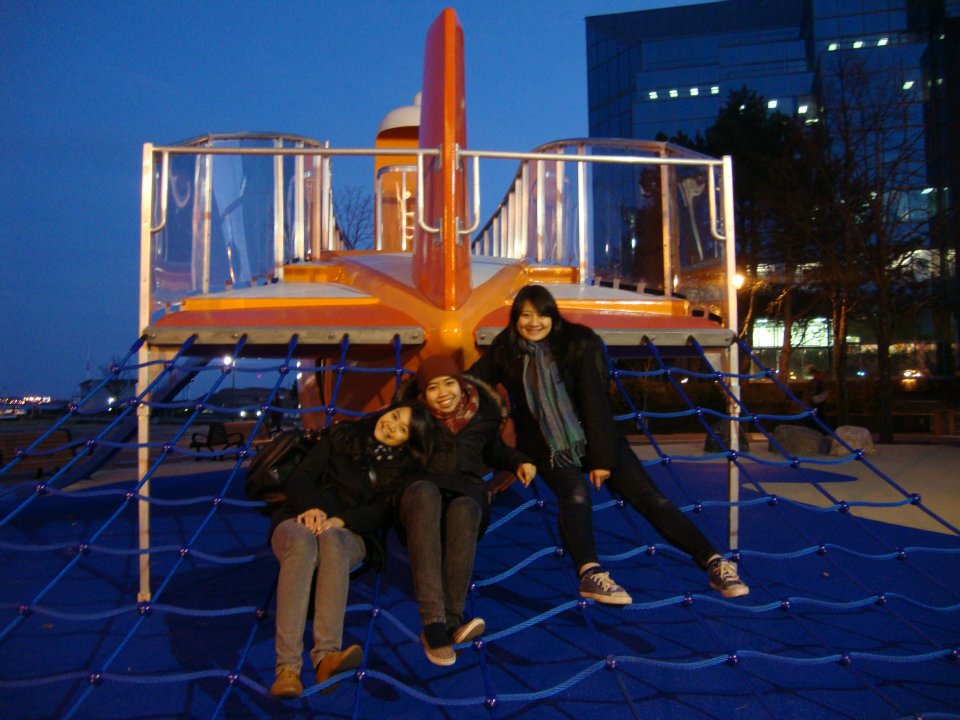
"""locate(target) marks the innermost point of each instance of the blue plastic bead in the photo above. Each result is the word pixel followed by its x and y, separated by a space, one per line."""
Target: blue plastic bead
pixel 822 550
pixel 540 504
pixel 183 552
pixel 490 703
pixel 217 500
pixel 915 499
pixel 375 612
pixel 651 550
pixel 478 644
pixel 785 605
pixel 95 679
pixel 610 663
pixel 773 500
pixel 736 555
pixel 733 660
pixel 881 599
pixel 687 600
pixel 582 604
pixel 261 614
pixel 284 369
pixel 698 508
pixel 360 675
pixel 620 503
pixel 232 679
pixel 144 608
pixel 559 551
pixel 24 610
pixel 845 660
pixel 843 507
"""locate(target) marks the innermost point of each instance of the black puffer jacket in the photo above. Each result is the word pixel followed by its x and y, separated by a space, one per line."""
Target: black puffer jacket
pixel 579 355
pixel 335 476
pixel 460 461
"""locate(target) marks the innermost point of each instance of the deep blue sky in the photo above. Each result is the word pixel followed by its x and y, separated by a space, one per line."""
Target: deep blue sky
pixel 84 84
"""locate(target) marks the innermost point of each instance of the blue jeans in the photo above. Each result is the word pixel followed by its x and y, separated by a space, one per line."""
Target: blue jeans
pixel 302 554
pixel 441 530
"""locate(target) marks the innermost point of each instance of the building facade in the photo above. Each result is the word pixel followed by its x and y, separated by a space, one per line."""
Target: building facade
pixel 668 72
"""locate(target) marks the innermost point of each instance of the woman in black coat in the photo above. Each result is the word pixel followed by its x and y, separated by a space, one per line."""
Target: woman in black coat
pixel 444 511
pixel 556 374
pixel 338 499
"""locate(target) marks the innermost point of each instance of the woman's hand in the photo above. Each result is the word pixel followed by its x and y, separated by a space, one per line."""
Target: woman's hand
pixel 330 524
pixel 313 519
pixel 598 477
pixel 526 473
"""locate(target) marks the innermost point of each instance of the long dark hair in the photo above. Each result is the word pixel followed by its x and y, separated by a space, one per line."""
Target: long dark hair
pixel 351 437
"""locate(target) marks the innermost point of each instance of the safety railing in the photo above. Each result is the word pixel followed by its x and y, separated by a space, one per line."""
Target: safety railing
pixel 231 211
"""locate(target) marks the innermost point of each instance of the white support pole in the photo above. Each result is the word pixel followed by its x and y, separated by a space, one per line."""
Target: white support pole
pixel 143 357
pixel 732 352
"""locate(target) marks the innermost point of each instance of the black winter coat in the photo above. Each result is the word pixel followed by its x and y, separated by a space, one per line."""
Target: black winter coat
pixel 578 352
pixel 460 461
pixel 332 478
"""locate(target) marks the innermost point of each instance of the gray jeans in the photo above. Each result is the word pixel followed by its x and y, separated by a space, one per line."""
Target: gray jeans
pixel 301 553
pixel 441 531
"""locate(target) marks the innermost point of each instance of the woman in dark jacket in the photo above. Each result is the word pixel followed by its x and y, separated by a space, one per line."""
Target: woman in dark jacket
pixel 338 500
pixel 444 512
pixel 556 374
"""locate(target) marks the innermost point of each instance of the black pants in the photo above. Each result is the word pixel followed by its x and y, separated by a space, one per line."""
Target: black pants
pixel 631 481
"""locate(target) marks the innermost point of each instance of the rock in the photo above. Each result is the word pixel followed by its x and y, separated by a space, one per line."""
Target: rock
pixel 859 438
pixel 797 440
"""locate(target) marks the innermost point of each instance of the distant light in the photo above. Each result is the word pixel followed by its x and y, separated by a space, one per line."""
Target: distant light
pixel 926 191
pixel 882 41
pixel 861 373
pixel 858 44
pixel 111 400
pixel 227 360
pixel 908 84
pixel 772 104
pixel 802 110
pixel 694 91
pixel 653 95
pixel 243 413
pixel 738 280
pixel 714 89
pixel 831 47
pixel 674 93
pixel 742 108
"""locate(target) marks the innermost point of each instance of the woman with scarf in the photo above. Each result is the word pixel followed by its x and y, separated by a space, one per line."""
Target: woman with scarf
pixel 556 374
pixel 444 512
pixel 338 499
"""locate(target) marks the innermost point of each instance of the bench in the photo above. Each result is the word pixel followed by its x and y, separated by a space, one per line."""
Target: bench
pixel 222 436
pixel 51 454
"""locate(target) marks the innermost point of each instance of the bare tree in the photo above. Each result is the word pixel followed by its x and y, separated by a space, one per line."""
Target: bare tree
pixel 880 247
pixel 354 211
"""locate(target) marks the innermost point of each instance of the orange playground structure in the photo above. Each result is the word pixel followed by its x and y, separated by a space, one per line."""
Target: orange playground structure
pixel 240 238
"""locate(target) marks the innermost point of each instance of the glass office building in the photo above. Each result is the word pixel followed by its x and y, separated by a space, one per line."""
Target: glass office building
pixel 660 73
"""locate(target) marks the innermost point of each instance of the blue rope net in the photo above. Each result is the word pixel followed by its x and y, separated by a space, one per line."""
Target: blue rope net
pixel 847 617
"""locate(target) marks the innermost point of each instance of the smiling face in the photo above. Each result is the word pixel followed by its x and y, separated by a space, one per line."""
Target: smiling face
pixel 442 394
pixel 531 325
pixel 393 427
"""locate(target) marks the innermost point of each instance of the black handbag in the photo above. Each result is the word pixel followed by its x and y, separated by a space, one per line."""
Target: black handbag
pixel 273 464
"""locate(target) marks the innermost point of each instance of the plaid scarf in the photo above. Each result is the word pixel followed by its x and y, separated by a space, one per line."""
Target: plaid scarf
pixel 457 419
pixel 551 406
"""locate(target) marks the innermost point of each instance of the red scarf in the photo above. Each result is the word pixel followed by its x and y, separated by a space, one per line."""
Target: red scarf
pixel 457 419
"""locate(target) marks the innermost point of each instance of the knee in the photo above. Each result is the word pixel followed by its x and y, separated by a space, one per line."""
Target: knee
pixel 465 510
pixel 333 540
pixel 418 495
pixel 577 497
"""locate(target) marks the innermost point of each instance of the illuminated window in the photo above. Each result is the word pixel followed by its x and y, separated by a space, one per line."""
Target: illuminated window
pixel 858 44
pixel 653 95
pixel 714 89
pixel 882 41
pixel 831 47
pixel 674 93
pixel 908 84
pixel 694 91
pixel 802 110
pixel 772 104
pixel 926 191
